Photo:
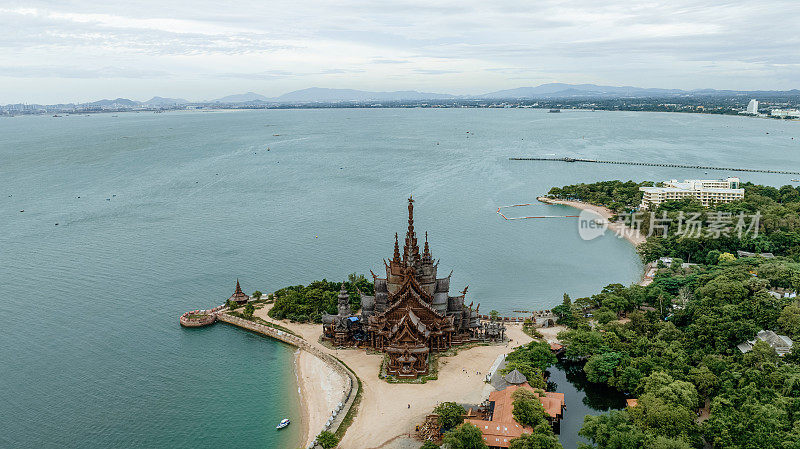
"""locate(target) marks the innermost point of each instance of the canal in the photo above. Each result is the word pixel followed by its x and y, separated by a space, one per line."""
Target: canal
pixel 582 398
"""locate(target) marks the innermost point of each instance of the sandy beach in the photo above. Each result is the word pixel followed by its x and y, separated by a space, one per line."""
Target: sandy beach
pixel 633 236
pixel 321 389
pixel 388 411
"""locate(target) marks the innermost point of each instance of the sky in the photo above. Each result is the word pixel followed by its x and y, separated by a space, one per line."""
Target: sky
pixel 84 50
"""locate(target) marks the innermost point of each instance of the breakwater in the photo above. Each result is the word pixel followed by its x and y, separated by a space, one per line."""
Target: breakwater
pixel 338 414
pixel 653 164
pixel 199 318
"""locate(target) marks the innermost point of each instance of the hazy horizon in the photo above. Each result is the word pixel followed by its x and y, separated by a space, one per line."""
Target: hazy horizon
pixel 202 50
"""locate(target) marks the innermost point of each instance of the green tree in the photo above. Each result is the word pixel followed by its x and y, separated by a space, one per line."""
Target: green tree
pixel 327 439
pixel 527 409
pixel 726 258
pixel 257 295
pixel 604 316
pixel 465 436
pixel 429 445
pixel 789 320
pixel 450 414
pixel 536 354
pixel 601 367
pixel 659 417
pixel 581 343
pixel 493 315
pixel 613 430
pixel 248 311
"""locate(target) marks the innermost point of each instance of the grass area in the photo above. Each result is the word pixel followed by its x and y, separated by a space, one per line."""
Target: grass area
pixel 351 413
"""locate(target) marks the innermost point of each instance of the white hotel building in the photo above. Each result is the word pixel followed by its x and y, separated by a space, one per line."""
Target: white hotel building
pixel 707 191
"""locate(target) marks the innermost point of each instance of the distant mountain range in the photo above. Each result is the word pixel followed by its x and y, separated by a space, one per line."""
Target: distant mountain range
pixel 124 102
pixel 318 94
pixel 543 91
pixel 550 91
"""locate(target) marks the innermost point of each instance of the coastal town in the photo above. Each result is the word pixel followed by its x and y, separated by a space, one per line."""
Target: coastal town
pixel 412 366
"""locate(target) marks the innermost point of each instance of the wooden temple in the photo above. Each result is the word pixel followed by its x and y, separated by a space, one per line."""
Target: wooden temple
pixel 411 313
pixel 238 295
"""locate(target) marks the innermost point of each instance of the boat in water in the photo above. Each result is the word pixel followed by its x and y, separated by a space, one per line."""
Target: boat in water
pixel 554 111
pixel 795 180
pixel 285 422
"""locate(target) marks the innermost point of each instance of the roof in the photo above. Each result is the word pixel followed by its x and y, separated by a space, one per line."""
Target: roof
pixel 367 302
pixel 741 253
pixel 515 377
pixel 503 428
pixel 238 295
pixel 780 343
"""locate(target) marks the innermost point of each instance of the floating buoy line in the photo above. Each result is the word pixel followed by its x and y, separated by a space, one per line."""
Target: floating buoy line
pixel 499 212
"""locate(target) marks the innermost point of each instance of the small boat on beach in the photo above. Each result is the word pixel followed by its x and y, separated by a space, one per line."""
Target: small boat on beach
pixel 285 422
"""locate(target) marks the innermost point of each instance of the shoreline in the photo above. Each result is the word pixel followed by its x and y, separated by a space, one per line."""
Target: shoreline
pixel 635 237
pixel 306 429
pixel 319 387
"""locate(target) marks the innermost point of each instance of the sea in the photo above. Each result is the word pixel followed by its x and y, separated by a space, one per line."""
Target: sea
pixel 112 225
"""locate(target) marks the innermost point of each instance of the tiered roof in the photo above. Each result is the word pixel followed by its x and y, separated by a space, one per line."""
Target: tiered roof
pixel 238 296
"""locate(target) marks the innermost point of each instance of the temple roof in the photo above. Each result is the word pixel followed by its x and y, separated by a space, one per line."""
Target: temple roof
pixel 414 322
pixel 367 302
pixel 515 377
pixel 238 295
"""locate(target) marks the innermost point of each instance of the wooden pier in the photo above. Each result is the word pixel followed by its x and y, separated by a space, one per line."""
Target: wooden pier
pixel 651 164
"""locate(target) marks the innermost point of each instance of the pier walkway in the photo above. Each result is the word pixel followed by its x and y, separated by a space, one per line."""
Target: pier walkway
pixel 340 412
pixel 651 164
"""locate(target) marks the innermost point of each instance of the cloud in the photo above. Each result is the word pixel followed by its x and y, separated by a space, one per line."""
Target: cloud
pixel 470 45
pixel 80 72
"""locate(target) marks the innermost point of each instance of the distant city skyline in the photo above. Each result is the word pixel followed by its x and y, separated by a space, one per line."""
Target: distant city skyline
pixel 200 50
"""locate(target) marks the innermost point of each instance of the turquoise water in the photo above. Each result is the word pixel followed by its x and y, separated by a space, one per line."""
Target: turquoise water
pixel 174 207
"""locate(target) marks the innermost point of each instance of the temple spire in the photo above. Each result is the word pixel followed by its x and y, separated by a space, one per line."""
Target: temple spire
pixel 396 258
pixel 411 249
pixel 426 255
pixel 344 301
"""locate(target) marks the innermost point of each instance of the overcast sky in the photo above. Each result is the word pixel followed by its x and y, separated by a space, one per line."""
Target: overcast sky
pixel 79 50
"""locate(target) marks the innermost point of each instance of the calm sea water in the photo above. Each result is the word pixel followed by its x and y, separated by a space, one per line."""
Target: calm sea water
pixel 160 213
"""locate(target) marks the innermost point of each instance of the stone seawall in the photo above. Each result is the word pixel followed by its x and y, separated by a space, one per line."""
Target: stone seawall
pixel 337 414
pixel 210 317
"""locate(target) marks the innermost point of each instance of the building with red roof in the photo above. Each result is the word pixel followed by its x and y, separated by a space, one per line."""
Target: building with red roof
pixel 500 427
